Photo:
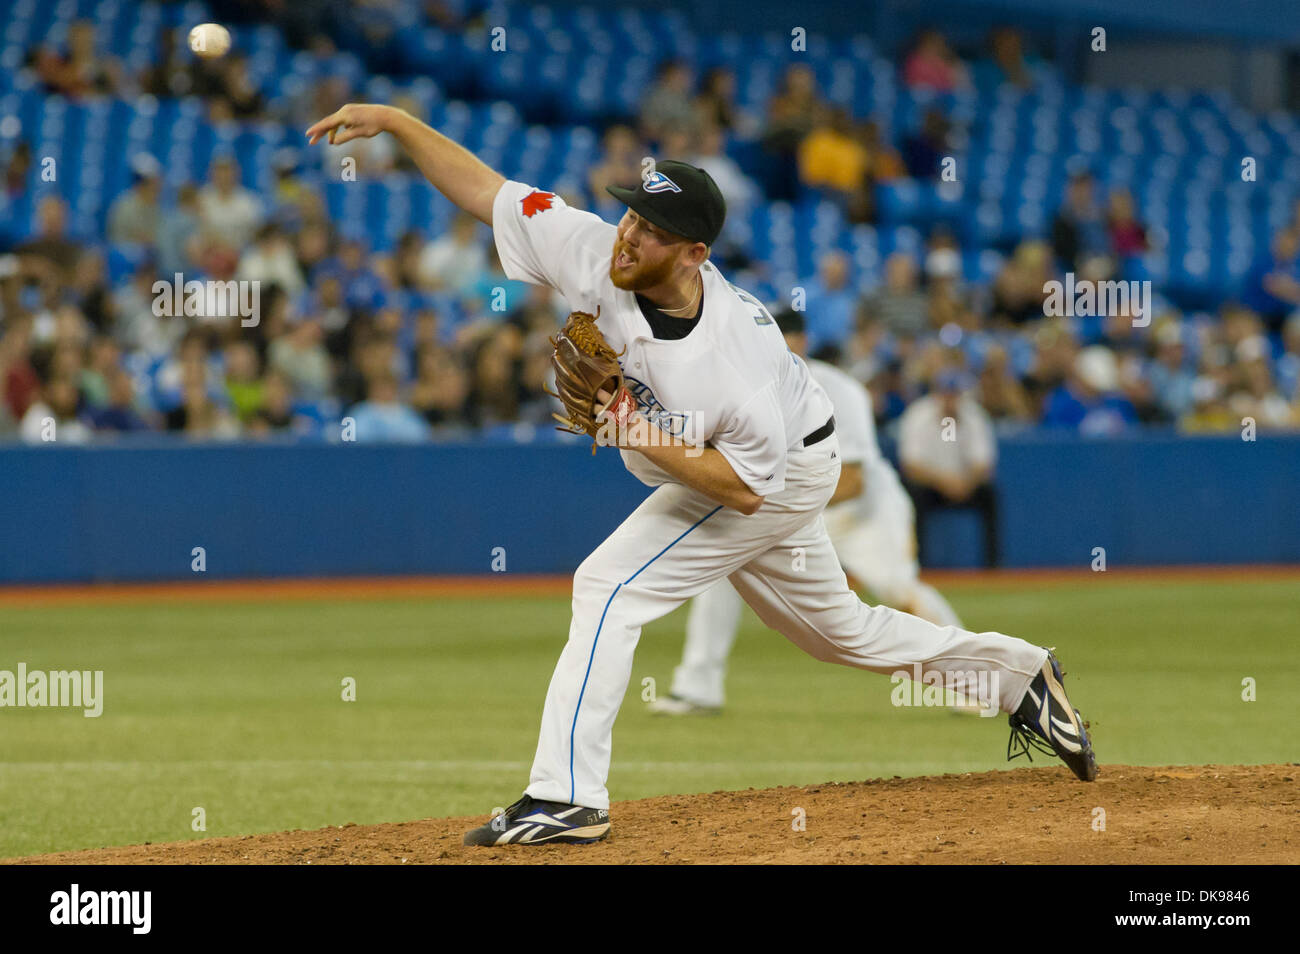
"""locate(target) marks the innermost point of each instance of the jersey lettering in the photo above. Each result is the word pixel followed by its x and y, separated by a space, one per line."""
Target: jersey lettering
pixel 762 316
pixel 672 423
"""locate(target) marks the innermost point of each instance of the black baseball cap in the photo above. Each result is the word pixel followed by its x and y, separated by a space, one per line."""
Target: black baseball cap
pixel 678 197
pixel 789 321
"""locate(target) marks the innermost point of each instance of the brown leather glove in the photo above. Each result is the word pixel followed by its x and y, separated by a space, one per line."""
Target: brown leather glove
pixel 584 364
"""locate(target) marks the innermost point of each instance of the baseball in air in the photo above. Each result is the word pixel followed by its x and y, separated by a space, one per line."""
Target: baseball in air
pixel 210 40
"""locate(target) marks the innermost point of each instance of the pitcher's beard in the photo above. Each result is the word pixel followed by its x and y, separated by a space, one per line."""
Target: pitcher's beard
pixel 640 277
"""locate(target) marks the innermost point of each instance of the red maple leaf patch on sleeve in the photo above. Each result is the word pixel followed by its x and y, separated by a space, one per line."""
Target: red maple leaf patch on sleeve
pixel 536 201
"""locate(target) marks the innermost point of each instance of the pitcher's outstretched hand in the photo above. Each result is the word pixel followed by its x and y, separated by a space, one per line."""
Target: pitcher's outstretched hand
pixel 353 121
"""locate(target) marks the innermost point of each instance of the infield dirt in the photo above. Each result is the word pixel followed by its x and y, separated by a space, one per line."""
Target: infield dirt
pixel 1209 814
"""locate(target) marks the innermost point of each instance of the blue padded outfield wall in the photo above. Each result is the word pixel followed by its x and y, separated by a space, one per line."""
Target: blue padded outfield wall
pixel 260 510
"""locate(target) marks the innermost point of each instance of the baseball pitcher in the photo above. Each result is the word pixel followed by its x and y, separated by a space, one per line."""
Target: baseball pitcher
pixel 691 378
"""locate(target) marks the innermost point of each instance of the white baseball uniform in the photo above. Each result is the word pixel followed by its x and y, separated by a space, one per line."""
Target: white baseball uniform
pixel 733 383
pixel 873 535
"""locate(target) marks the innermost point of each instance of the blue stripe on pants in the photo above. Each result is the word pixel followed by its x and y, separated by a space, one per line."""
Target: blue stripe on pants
pixel 590 659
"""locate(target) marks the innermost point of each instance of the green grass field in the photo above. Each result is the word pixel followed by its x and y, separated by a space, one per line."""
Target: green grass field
pixel 236 707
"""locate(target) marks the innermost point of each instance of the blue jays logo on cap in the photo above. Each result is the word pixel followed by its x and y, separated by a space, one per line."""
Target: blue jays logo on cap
pixel 658 182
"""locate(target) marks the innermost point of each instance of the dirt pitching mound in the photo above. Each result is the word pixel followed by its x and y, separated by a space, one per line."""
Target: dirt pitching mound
pixel 1221 814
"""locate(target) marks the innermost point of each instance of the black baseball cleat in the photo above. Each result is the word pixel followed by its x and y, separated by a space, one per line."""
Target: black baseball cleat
pixel 1047 722
pixel 532 822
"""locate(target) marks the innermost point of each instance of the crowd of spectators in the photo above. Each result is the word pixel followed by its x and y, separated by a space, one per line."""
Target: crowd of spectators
pixel 431 339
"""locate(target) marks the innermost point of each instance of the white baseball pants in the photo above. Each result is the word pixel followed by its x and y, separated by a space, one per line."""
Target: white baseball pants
pixel 875 545
pixel 677 544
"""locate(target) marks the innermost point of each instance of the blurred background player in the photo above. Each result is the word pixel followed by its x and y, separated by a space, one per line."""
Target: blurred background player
pixel 870 522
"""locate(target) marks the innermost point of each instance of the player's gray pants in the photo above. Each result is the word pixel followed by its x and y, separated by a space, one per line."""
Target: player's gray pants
pixel 677 544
